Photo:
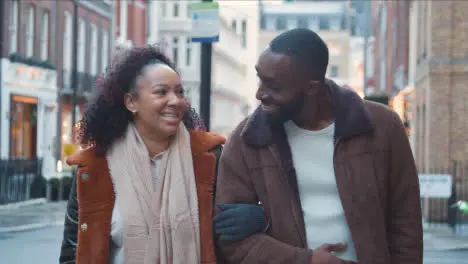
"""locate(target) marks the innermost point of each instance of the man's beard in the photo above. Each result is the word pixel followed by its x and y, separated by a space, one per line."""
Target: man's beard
pixel 287 111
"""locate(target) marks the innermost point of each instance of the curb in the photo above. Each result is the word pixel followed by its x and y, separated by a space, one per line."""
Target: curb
pixel 29 227
pixel 38 201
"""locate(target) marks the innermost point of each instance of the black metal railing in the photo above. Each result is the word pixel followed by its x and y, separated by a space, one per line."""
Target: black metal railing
pixel 439 211
pixel 20 180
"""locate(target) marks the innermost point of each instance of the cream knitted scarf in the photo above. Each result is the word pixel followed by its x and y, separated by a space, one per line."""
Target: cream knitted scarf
pixel 161 225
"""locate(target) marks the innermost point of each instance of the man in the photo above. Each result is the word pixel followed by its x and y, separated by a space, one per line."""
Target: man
pixel 335 174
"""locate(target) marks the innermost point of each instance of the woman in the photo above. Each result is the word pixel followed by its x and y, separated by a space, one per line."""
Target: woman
pixel 145 185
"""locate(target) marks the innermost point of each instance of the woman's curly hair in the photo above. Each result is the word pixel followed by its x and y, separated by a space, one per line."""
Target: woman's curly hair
pixel 106 118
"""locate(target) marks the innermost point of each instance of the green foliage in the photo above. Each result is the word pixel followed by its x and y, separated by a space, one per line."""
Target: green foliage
pixel 31 61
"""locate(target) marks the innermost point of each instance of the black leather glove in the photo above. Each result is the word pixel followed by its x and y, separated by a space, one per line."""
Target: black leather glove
pixel 239 221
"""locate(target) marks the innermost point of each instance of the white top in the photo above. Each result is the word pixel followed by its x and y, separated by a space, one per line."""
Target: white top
pixel 325 222
pixel 117 227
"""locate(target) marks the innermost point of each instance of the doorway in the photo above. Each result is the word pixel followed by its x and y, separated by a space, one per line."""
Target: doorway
pixel 23 127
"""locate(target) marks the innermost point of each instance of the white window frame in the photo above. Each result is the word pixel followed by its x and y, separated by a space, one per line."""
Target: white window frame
pixel 94 50
pixel 30 32
pixel 81 45
pixel 105 50
pixel 14 27
pixel 45 36
pixel 123 19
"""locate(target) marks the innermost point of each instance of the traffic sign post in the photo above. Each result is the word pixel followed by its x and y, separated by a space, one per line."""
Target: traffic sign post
pixel 205 29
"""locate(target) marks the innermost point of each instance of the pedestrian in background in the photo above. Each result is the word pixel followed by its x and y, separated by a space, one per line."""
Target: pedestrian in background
pixel 334 173
pixel 144 191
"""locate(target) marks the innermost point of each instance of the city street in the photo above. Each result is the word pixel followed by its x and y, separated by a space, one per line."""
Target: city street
pixel 42 247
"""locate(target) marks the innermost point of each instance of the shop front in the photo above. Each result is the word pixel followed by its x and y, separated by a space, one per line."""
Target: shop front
pixel 29 114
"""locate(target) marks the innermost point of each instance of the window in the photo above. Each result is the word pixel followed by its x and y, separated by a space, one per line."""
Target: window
pixel 270 23
pixel 45 36
pixel 244 33
pixel 14 27
pixel 175 50
pixel 280 23
pixel 234 25
pixel 105 50
pixel 163 9
pixel 175 10
pixel 291 23
pixel 81 45
pixel 93 50
pixel 188 53
pixel 335 24
pixel 314 24
pixel 324 23
pixel 334 72
pixel 30 33
pixel 303 22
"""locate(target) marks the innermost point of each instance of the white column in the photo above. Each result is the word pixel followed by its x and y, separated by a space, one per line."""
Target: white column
pixel 123 19
pixel 154 16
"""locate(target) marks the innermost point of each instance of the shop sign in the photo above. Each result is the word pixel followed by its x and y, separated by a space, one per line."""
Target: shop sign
pixel 29 76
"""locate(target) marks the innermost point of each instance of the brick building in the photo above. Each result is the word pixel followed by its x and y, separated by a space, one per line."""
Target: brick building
pixel 391 32
pixel 93 52
pixel 28 82
pixel 439 75
pixel 36 63
pixel 131 23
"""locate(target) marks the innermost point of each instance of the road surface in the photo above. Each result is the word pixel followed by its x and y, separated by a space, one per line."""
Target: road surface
pixel 42 247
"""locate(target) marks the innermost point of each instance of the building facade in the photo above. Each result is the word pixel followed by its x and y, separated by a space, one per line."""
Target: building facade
pixel 29 91
pixel 92 46
pixel 439 77
pixel 391 32
pixel 331 20
pixel 36 65
pixel 130 23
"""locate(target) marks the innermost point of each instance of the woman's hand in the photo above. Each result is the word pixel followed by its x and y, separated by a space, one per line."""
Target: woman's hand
pixel 239 221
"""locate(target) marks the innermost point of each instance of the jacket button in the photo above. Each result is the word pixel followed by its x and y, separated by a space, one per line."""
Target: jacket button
pixel 84 175
pixel 84 227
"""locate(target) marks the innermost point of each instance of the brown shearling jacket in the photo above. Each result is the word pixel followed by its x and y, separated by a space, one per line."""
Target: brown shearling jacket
pixel 375 175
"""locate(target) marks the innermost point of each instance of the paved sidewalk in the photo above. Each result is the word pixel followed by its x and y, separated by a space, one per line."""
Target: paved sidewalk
pixel 40 214
pixel 442 238
pixel 33 216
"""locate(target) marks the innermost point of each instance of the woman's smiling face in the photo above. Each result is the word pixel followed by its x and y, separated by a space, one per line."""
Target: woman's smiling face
pixel 158 103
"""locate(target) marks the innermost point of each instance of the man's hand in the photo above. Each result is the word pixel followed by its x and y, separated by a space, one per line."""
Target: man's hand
pixel 238 221
pixel 322 255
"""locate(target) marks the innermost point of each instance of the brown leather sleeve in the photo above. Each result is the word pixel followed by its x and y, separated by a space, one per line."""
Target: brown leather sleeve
pixel 404 229
pixel 234 186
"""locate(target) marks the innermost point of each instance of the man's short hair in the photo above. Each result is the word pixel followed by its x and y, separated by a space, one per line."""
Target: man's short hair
pixel 307 50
